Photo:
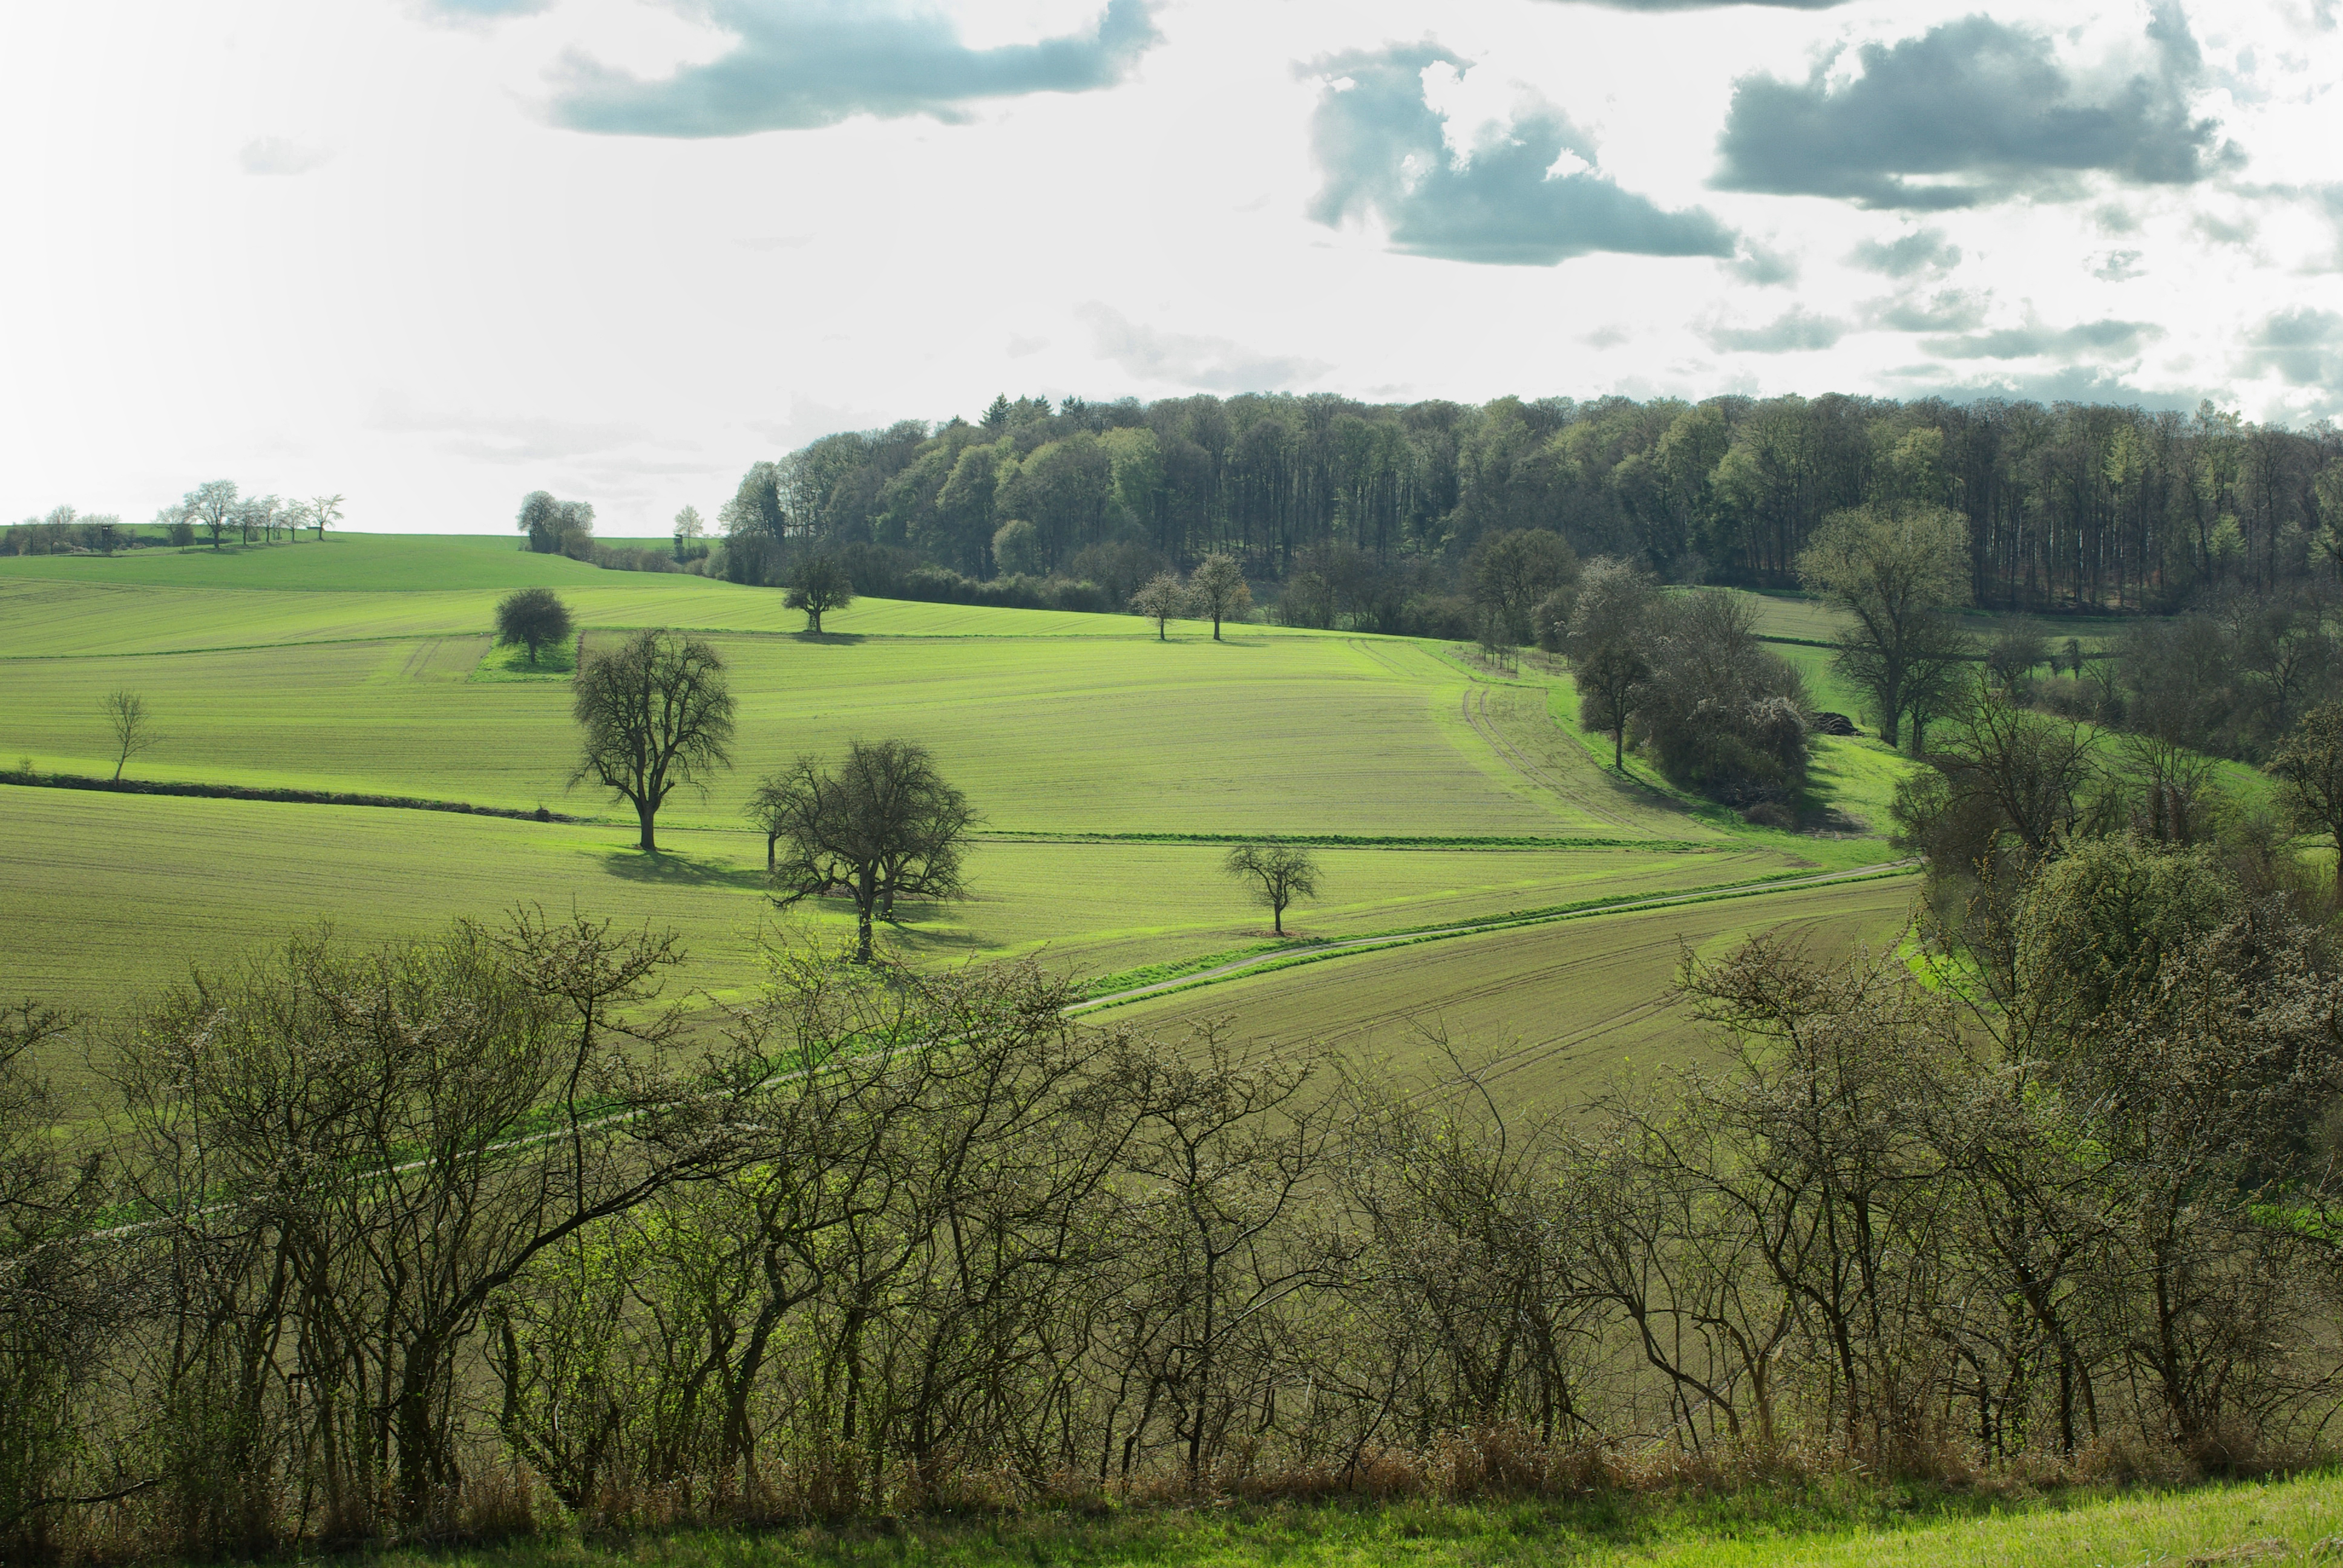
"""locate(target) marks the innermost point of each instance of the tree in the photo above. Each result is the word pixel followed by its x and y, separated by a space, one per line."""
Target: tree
pixel 532 617
pixel 884 825
pixel 1605 638
pixel 1017 547
pixel 657 713
pixel 1219 589
pixel 1512 572
pixel 1892 569
pixel 818 584
pixel 1163 599
pixel 1281 872
pixel 557 527
pixel 211 506
pixel 688 524
pixel 2309 764
pixel 132 726
pixel 324 511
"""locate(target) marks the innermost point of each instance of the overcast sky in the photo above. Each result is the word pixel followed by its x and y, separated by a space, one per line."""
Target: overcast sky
pixel 434 254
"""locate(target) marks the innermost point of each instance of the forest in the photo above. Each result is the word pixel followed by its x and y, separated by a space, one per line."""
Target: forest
pixel 2073 506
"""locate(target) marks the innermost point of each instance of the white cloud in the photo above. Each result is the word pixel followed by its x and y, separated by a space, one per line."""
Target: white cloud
pixel 279 156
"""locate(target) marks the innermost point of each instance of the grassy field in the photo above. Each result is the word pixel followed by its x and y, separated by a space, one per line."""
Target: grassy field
pixel 1106 764
pixel 1847 1526
pixel 1556 1010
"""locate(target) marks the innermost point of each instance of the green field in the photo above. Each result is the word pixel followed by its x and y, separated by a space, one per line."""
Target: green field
pixel 1111 769
pixel 1855 1525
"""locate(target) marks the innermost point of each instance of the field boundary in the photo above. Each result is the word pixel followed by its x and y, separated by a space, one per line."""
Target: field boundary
pixel 274 796
pixel 1291 956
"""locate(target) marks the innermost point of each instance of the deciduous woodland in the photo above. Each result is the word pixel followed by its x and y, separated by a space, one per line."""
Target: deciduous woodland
pixel 2075 505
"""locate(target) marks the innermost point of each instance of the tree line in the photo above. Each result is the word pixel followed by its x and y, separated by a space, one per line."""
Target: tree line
pixel 2071 506
pixel 209 514
pixel 469 1231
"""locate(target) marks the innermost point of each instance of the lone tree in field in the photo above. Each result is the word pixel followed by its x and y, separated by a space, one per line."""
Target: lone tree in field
pixel 324 511
pixel 132 726
pixel 2309 767
pixel 1218 588
pixel 1162 598
pixel 657 714
pixel 884 825
pixel 532 617
pixel 1280 874
pixel 818 583
pixel 1893 570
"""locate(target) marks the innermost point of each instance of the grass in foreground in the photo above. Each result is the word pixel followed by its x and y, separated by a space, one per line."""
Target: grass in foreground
pixel 1827 1526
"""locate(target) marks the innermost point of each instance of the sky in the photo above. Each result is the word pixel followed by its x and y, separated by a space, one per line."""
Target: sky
pixel 432 254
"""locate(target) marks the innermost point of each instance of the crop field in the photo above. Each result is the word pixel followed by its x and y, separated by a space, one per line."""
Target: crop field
pixel 1110 769
pixel 1555 1011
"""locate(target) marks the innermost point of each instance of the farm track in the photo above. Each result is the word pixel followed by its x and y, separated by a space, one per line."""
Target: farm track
pixel 1476 714
pixel 1349 945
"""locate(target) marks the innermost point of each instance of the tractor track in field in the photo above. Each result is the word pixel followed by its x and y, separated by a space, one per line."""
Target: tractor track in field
pixel 1310 952
pixel 1476 715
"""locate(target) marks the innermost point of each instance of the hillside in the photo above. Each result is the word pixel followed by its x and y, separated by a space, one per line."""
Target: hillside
pixel 1111 769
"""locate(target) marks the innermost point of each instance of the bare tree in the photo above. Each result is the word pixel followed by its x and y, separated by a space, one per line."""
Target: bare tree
pixel 324 511
pixel 884 825
pixel 657 713
pixel 1281 872
pixel 211 506
pixel 132 726
pixel 1162 598
pixel 1219 590
pixel 2309 764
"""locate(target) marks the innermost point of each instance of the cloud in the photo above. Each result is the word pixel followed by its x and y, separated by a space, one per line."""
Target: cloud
pixel 1210 363
pixel 1763 264
pixel 2066 384
pixel 506 439
pixel 2117 266
pixel 1922 250
pixel 798 63
pixel 1947 310
pixel 2302 346
pixel 2092 339
pixel 1972 111
pixel 1795 331
pixel 1714 4
pixel 277 155
pixel 469 10
pixel 1532 197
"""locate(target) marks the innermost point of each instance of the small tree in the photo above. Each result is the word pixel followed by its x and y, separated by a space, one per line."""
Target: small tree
pixel 818 584
pixel 657 713
pixel 324 511
pixel 1219 589
pixel 2309 764
pixel 1162 598
pixel 132 726
pixel 532 617
pixel 884 825
pixel 1281 873
pixel 1891 570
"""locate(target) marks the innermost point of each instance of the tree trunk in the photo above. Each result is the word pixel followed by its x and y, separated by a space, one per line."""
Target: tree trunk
pixel 646 812
pixel 1619 748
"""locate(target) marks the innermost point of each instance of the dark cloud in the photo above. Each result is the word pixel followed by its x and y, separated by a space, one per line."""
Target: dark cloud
pixel 1764 266
pixel 1794 331
pixel 2066 384
pixel 803 63
pixel 1972 111
pixel 2303 346
pixel 1379 148
pixel 2092 339
pixel 1922 250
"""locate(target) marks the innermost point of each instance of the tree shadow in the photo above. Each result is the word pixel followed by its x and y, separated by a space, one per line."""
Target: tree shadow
pixel 843 638
pixel 667 868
